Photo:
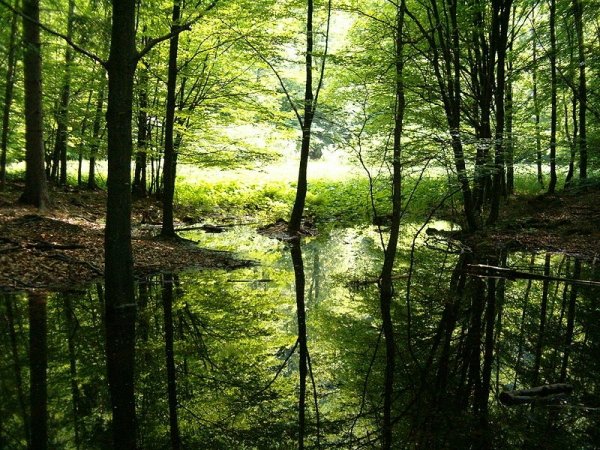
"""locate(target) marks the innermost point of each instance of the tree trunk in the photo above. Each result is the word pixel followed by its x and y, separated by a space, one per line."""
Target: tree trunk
pixel 499 43
pixel 170 165
pixel 36 189
pixel 84 123
pixel 167 297
pixel 306 124
pixel 510 143
pixel 553 118
pixel 582 89
pixel 483 83
pixel 300 282
pixel 72 326
pixel 386 288
pixel 120 301
pixel 38 360
pixel 60 144
pixel 14 347
pixel 91 182
pixel 8 97
pixel 139 178
pixel 570 322
pixel 572 140
pixel 542 327
pixel 536 108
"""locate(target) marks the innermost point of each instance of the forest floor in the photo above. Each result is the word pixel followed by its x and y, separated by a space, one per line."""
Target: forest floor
pixel 63 247
pixel 566 222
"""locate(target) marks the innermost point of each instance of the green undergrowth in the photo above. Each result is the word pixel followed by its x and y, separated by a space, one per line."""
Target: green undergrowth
pixel 339 202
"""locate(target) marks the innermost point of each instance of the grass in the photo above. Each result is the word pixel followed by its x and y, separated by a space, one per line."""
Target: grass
pixel 337 193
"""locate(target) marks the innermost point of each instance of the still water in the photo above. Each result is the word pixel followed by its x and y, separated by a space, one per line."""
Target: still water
pixel 219 362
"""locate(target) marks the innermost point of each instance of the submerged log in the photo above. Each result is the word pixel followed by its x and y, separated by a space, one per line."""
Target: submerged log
pixel 540 394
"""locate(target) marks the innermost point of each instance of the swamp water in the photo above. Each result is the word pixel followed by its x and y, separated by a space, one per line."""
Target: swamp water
pixel 226 345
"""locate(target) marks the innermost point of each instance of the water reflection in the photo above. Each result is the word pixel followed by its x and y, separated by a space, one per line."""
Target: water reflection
pixel 227 359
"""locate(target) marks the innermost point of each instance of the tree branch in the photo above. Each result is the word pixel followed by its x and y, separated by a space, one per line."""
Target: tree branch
pixel 49 30
pixel 174 32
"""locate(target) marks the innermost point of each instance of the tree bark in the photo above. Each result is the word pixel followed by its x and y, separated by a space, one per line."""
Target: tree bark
pixel 8 97
pixel 386 287
pixel 60 144
pixel 306 124
pixel 542 326
pixel 120 302
pixel 167 297
pixel 582 89
pixel 91 182
pixel 300 282
pixel 139 179
pixel 536 108
pixel 14 347
pixel 36 189
pixel 170 156
pixel 570 322
pixel 38 360
pixel 553 88
pixel 500 24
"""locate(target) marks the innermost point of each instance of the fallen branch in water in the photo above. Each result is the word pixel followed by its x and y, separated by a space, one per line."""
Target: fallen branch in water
pixel 539 394
pixel 484 270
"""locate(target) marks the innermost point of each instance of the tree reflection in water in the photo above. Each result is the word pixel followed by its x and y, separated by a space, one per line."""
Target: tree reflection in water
pixel 222 358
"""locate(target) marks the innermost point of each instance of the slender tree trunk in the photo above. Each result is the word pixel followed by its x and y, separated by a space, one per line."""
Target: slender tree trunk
pixel 510 143
pixel 167 297
pixel 120 301
pixel 139 178
pixel 91 182
pixel 500 24
pixel 536 108
pixel 306 124
pixel 386 288
pixel 488 356
pixel 570 322
pixel 36 189
pixel 38 360
pixel 582 89
pixel 553 118
pixel 170 156
pixel 482 82
pixel 542 327
pixel 60 144
pixel 83 130
pixel 572 140
pixel 10 318
pixel 300 283
pixel 72 326
pixel 8 97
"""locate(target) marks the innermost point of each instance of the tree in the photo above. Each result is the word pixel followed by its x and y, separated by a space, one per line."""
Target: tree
pixel 120 301
pixel 38 356
pixel 60 144
pixel 36 189
pixel 582 89
pixel 170 156
pixel 8 97
pixel 386 288
pixel 442 34
pixel 306 120
pixel 553 89
pixel 498 45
